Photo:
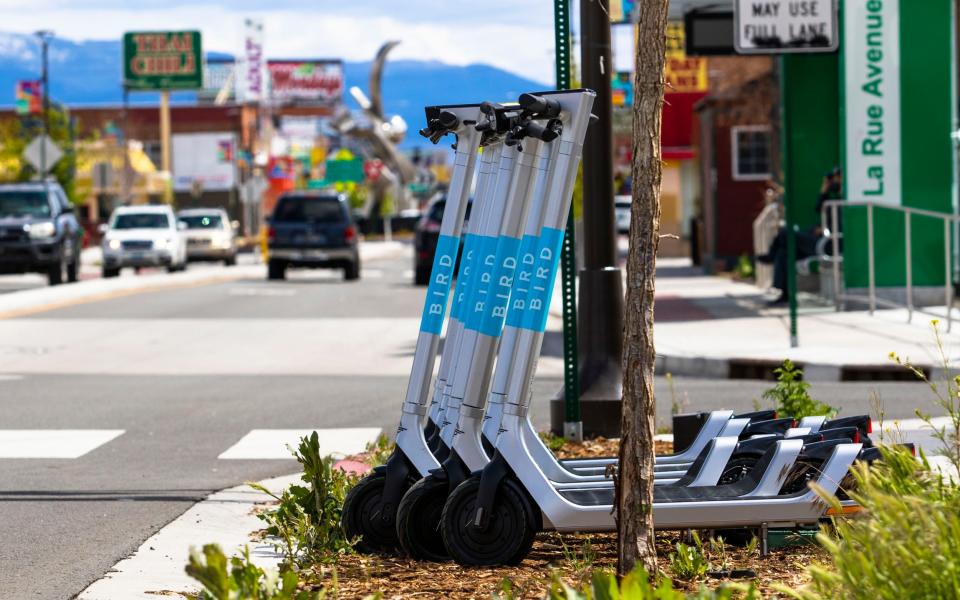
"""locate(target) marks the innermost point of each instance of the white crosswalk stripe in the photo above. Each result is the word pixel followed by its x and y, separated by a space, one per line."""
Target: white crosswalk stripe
pixel 53 443
pixel 272 444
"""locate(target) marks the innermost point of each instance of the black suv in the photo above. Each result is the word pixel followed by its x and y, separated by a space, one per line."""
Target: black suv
pixel 425 236
pixel 39 232
pixel 313 231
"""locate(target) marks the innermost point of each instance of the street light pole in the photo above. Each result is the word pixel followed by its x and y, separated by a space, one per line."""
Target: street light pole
pixel 44 36
pixel 600 330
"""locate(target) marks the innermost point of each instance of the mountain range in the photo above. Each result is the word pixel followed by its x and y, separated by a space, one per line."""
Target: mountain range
pixel 84 73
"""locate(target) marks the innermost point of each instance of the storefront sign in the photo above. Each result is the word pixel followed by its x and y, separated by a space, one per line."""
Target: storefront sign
pixel 683 73
pixel 872 96
pixel 162 60
pixel 312 81
pixel 786 26
pixel 250 78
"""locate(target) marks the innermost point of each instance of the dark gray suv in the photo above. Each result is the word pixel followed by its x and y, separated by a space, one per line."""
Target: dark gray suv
pixel 39 232
pixel 312 230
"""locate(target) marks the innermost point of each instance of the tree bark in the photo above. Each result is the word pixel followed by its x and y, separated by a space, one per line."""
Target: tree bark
pixel 635 477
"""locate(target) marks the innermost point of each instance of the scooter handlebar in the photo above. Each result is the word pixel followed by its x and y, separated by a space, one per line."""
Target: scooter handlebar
pixel 539 105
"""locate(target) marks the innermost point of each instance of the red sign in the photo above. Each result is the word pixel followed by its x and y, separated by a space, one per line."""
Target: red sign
pixel 318 81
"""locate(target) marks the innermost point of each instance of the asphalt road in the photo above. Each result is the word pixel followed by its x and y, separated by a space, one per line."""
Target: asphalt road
pixel 185 373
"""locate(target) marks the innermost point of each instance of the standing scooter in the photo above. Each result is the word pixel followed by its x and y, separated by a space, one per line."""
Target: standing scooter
pixel 370 506
pixel 567 115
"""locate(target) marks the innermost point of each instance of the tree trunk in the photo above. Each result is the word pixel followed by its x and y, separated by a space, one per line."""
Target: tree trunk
pixel 635 478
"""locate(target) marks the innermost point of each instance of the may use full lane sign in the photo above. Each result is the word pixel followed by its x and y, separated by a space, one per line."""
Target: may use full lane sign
pixel 785 26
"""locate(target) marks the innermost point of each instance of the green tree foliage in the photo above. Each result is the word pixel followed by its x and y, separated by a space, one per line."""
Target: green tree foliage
pixel 16 134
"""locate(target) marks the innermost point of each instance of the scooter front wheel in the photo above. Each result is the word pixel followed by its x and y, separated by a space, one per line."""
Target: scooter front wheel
pixel 418 519
pixel 365 518
pixel 505 539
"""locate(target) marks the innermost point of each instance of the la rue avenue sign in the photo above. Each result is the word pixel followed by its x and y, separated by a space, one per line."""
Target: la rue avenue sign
pixel 162 60
pixel 785 26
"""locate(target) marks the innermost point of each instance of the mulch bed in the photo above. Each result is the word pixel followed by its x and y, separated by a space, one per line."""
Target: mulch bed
pixel 570 557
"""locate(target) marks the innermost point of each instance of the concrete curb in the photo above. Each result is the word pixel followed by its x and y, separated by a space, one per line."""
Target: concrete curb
pixel 745 367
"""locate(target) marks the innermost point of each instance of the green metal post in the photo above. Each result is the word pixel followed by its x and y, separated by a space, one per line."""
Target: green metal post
pixel 568 259
pixel 788 209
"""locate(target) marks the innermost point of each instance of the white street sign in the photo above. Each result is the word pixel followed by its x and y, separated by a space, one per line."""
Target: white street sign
pixel 785 26
pixel 33 153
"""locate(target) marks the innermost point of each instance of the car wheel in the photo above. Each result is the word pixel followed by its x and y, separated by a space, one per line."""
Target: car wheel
pixel 352 271
pixel 231 261
pixel 73 270
pixel 55 273
pixel 108 273
pixel 276 270
pixel 421 274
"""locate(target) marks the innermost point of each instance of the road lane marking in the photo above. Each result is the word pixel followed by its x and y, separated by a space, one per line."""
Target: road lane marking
pixel 265 291
pixel 10 377
pixel 53 443
pixel 271 444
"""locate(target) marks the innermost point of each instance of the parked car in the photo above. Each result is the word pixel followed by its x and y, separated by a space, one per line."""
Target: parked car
pixel 39 232
pixel 425 236
pixel 210 235
pixel 621 208
pixel 312 230
pixel 144 236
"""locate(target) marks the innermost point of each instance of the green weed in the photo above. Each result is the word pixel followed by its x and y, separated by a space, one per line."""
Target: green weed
pixel 554 442
pixel 307 519
pixel 379 450
pixel 687 562
pixel 239 579
pixel 639 586
pixel 791 395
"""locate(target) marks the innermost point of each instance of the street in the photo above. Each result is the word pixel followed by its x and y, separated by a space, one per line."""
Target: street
pixel 175 378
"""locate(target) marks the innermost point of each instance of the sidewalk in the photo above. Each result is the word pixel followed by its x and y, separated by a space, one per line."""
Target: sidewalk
pixel 708 326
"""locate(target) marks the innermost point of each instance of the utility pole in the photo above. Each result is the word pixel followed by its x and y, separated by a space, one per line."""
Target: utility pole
pixel 44 36
pixel 600 330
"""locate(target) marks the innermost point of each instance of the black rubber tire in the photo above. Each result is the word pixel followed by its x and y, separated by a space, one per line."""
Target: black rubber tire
pixel 231 261
pixel 803 472
pixel 510 530
pixel 108 273
pixel 421 275
pixel 361 517
pixel 418 520
pixel 352 271
pixel 736 469
pixel 276 270
pixel 55 273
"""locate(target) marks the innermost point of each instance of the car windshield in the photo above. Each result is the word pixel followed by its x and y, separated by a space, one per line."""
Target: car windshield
pixel 141 221
pixel 321 209
pixel 24 203
pixel 202 221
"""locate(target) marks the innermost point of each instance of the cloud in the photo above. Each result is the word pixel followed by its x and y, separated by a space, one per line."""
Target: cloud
pixel 514 35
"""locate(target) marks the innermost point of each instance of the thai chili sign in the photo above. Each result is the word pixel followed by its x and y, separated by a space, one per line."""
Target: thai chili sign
pixel 309 81
pixel 162 60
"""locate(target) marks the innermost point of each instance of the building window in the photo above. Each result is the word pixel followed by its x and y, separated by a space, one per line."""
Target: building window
pixel 751 152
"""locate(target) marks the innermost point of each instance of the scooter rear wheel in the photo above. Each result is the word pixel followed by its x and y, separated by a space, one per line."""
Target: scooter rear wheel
pixel 508 535
pixel 418 520
pixel 737 469
pixel 365 520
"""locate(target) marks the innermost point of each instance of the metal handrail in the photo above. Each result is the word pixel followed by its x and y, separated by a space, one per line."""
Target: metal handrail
pixel 835 236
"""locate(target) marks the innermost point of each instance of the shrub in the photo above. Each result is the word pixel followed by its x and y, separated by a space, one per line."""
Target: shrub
pixel 307 519
pixel 906 544
pixel 791 394
pixel 554 442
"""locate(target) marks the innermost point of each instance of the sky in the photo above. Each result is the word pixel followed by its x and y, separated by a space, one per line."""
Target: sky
pixel 515 35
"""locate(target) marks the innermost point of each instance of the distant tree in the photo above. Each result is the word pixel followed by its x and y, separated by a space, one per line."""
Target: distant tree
pixel 16 133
